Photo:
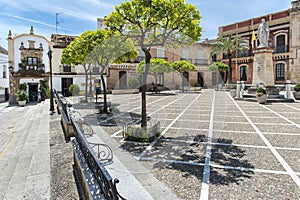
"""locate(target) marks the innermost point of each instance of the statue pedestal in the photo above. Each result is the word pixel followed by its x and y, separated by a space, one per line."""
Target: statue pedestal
pixel 263 67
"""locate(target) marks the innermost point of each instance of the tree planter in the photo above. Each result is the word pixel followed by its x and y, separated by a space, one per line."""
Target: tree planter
pixel 296 95
pixel 136 133
pixel 22 103
pixel 232 93
pixel 262 98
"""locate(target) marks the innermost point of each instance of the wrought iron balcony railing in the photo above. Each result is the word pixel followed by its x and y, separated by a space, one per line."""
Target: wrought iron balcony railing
pixel 281 49
pixel 31 69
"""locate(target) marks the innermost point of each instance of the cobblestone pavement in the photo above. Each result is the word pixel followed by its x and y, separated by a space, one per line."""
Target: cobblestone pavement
pixel 213 147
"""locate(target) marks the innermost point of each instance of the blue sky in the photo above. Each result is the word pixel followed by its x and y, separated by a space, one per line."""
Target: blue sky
pixel 81 15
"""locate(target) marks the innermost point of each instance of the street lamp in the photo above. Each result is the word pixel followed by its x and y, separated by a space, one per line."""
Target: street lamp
pixel 12 99
pixel 51 87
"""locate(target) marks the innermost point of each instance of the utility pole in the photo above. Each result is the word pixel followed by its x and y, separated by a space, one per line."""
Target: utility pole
pixel 57 22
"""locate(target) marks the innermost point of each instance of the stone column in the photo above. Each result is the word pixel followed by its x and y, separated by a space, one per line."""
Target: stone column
pixel 263 67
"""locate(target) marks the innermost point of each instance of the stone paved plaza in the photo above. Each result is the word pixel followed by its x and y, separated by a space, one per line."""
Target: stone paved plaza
pixel 213 147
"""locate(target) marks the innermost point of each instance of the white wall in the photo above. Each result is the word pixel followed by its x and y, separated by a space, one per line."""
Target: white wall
pixel 38 40
pixel 77 79
pixel 4 82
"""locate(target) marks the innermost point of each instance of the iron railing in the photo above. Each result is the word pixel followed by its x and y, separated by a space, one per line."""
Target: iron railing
pixel 101 184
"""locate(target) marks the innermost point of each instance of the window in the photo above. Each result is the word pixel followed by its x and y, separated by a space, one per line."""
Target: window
pixel 280 72
pixel 243 73
pixel 32 60
pixel 160 52
pixel 4 71
pixel 160 79
pixel 280 44
pixel 185 53
pixel 66 68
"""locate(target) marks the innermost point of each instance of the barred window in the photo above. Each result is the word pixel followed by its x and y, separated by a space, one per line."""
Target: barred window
pixel 280 68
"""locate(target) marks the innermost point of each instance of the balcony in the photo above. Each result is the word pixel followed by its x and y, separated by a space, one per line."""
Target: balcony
pixel 201 62
pixel 244 53
pixel 281 49
pixel 165 58
pixel 187 59
pixel 67 69
pixel 31 70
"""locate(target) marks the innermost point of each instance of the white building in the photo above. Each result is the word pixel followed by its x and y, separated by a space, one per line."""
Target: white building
pixel 27 54
pixel 4 80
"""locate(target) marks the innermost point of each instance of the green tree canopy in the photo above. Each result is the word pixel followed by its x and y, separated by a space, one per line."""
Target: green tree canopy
pixel 113 49
pixel 157 66
pixel 158 23
pixel 218 66
pixel 183 66
pixel 228 45
pixel 79 49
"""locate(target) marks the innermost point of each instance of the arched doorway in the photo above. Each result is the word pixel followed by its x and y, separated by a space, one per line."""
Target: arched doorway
pixel 122 80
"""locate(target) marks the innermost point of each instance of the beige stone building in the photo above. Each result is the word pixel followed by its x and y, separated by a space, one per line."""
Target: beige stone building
pixel 283 39
pixel 118 75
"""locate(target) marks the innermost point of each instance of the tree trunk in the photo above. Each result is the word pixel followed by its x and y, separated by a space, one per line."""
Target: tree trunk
pixel 144 87
pixel 86 82
pixel 229 79
pixel 182 83
pixel 104 94
pixel 90 92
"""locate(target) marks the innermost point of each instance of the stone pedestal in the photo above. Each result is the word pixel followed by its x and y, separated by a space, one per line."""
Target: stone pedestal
pixel 263 67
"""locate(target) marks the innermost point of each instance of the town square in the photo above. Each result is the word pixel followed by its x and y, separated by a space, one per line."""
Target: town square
pixel 144 107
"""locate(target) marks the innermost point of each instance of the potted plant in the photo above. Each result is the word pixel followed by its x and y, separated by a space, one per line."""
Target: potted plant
pixel 296 92
pixel 261 95
pixel 22 97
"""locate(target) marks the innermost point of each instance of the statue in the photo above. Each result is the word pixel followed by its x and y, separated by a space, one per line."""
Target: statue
pixel 263 34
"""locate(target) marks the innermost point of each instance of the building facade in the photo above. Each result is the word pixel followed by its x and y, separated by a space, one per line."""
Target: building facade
pixel 4 76
pixel 119 75
pixel 65 75
pixel 28 59
pixel 283 39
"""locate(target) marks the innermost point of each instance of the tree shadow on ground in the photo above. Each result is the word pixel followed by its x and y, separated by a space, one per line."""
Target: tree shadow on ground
pixel 115 119
pixel 189 159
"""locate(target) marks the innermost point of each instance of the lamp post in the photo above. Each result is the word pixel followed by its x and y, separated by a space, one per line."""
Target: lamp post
pixel 51 87
pixel 12 99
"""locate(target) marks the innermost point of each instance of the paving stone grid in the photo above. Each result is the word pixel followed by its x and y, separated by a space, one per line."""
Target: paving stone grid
pixel 213 147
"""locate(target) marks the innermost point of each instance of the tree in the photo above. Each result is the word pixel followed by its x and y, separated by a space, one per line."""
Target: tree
pixel 157 67
pixel 77 51
pixel 220 67
pixel 182 66
pixel 228 45
pixel 113 49
pixel 157 23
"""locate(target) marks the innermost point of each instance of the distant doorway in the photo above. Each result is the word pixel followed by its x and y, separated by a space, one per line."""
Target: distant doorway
pixel 33 92
pixel 122 80
pixel 200 79
pixel 65 84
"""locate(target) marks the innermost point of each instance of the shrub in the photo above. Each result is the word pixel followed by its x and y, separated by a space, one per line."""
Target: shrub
pixel 261 90
pixel 22 95
pixel 23 86
pixel 297 87
pixel 134 83
pixel 74 89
